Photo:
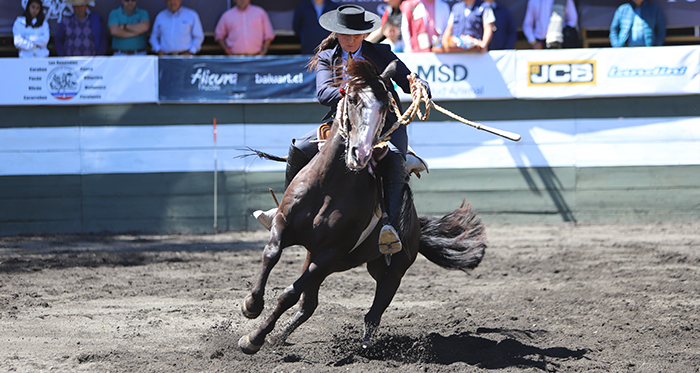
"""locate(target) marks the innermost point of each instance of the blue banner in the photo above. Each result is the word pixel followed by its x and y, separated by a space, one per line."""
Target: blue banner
pixel 236 79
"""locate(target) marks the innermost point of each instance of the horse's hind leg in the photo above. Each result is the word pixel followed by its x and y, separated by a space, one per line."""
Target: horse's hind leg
pixel 388 281
pixel 253 304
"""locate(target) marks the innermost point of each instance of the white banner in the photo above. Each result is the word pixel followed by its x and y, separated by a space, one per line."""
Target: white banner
pixel 575 73
pixel 79 80
pixel 457 76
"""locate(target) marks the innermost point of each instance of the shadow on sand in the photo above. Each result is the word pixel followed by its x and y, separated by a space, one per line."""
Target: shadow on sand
pixel 507 349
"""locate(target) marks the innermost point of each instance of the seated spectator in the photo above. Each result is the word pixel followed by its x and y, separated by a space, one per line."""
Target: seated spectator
pixel 536 23
pixel 305 23
pixel 392 35
pixel 391 15
pixel 128 25
pixel 469 28
pixel 81 34
pixel 505 32
pixel 244 30
pixel 177 30
pixel 422 24
pixel 31 32
pixel 638 23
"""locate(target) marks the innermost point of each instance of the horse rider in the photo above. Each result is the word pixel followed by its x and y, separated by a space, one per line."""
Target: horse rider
pixel 349 25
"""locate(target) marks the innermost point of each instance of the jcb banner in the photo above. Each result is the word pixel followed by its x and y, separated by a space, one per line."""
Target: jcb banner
pixel 239 79
pixel 578 73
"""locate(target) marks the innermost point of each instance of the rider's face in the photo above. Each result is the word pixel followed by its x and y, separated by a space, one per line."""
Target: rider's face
pixel 351 43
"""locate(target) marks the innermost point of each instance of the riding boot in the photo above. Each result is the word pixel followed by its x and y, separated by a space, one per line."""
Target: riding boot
pixel 296 160
pixel 396 193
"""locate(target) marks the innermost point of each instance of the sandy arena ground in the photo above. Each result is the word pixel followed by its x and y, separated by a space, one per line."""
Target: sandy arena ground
pixel 598 298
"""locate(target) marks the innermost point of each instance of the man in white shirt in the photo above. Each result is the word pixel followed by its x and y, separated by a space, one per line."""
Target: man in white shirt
pixel 177 30
pixel 537 18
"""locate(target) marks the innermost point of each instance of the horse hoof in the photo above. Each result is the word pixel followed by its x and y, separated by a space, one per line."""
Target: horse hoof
pixel 247 346
pixel 248 313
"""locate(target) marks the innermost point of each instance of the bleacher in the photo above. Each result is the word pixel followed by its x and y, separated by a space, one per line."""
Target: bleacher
pixel 287 43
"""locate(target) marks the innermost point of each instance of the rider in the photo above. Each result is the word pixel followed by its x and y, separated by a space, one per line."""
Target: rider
pixel 349 25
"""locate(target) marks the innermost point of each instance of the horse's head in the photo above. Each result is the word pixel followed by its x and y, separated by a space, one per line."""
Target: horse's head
pixel 364 108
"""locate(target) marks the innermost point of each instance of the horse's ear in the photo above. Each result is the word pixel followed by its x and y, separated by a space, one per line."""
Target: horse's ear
pixel 390 70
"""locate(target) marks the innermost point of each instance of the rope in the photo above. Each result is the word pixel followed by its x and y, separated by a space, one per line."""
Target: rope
pixel 419 93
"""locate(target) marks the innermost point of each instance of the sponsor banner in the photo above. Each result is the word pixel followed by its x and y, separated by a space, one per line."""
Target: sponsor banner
pixel 457 76
pixel 240 79
pixel 79 80
pixel 607 72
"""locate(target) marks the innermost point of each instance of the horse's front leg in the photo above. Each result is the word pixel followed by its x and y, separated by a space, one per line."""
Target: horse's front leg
pixel 307 306
pixel 254 303
pixel 312 276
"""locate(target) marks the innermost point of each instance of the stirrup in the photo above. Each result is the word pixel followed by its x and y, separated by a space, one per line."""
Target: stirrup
pixel 389 241
pixel 265 217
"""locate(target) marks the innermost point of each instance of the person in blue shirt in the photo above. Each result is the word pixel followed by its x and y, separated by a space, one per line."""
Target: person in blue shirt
pixel 305 23
pixel 638 23
pixel 505 31
pixel 129 27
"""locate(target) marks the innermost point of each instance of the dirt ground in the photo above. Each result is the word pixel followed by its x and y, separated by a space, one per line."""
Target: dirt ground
pixel 568 298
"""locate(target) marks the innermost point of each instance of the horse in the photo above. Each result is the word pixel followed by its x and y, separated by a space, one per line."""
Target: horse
pixel 332 201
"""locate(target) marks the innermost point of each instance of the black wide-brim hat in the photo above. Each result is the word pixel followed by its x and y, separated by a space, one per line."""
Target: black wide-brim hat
pixel 350 20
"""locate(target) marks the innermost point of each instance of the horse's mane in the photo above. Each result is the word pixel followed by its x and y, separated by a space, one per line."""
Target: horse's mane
pixel 364 73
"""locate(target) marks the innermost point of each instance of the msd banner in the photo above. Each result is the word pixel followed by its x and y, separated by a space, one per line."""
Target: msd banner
pixel 240 79
pixel 78 80
pixel 576 73
pixel 456 76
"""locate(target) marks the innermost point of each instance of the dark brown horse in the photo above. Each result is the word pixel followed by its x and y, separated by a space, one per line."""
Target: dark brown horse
pixel 332 201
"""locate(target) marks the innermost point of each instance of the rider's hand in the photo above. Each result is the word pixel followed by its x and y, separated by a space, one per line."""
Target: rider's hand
pixel 415 85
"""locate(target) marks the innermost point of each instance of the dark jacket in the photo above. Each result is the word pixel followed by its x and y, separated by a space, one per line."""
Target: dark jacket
pixel 99 35
pixel 306 27
pixel 506 33
pixel 381 54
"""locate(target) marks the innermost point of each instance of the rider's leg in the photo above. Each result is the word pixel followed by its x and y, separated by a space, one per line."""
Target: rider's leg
pixel 300 153
pixel 296 160
pixel 396 192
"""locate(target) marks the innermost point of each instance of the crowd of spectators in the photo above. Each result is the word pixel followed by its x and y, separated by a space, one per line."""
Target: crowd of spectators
pixel 406 25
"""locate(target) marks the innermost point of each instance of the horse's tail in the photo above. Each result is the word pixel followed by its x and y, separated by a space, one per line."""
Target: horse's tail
pixel 260 154
pixel 454 241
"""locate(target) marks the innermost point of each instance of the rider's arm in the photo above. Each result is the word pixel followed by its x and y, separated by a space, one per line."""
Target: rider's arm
pixel 328 94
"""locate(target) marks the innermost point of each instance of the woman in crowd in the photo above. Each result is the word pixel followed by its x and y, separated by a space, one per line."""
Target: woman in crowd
pixel 31 31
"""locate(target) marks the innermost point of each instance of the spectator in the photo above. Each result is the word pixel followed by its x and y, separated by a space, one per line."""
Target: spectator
pixel 31 32
pixel 177 30
pixel 469 28
pixel 244 30
pixel 306 26
pixel 128 25
pixel 638 23
pixel 82 34
pixel 423 22
pixel 505 32
pixel 391 15
pixel 536 22
pixel 392 35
